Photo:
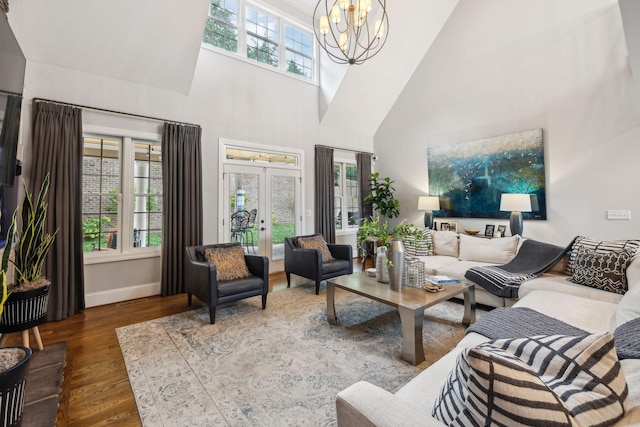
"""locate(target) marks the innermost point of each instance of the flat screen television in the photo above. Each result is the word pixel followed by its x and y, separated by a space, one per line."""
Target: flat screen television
pixel 12 68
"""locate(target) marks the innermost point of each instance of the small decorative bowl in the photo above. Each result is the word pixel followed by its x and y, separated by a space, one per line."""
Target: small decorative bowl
pixel 472 232
pixel 371 272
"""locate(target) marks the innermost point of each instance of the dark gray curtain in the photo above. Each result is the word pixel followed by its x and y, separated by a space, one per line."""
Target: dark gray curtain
pixel 363 162
pixel 57 150
pixel 325 202
pixel 182 206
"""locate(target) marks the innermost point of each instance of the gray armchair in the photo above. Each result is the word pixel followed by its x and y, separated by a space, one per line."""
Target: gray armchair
pixel 308 262
pixel 201 280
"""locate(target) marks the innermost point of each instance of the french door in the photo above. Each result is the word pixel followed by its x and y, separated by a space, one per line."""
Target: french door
pixel 275 195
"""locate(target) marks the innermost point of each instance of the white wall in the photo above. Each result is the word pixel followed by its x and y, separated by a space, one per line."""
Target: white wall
pixel 230 99
pixel 502 66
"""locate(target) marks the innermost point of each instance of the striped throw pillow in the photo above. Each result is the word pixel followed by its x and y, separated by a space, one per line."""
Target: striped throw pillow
pixel 537 381
pixel 599 246
pixel 420 244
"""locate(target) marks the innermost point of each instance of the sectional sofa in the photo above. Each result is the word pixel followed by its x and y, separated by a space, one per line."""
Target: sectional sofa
pixel 599 313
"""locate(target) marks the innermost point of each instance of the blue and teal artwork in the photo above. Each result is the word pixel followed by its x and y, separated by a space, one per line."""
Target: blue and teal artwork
pixel 471 176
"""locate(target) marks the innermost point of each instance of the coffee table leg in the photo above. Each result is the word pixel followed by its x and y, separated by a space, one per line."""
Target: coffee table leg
pixel 469 306
pixel 331 308
pixel 412 348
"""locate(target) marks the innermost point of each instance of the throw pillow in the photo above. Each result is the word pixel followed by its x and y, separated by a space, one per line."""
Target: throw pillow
pixel 496 251
pixel 316 242
pixel 420 244
pixel 605 271
pixel 445 243
pixel 229 261
pixel 538 381
pixel 599 246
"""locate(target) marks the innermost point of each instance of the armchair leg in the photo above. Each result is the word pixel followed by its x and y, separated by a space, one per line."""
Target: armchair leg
pixel 212 315
pixel 288 279
pixel 189 299
pixel 264 301
pixel 317 287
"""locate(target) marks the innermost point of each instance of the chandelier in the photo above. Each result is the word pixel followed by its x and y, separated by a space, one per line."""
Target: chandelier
pixel 343 29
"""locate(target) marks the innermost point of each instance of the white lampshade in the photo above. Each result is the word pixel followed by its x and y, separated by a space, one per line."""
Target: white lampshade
pixel 428 203
pixel 518 202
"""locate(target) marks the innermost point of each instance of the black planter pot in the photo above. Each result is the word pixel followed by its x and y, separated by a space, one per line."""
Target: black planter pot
pixel 12 389
pixel 24 310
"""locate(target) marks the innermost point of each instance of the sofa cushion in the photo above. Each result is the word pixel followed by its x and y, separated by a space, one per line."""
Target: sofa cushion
pixel 316 242
pixel 495 251
pixel 535 381
pixel 599 246
pixel 445 243
pixel 559 284
pixel 606 271
pixel 229 261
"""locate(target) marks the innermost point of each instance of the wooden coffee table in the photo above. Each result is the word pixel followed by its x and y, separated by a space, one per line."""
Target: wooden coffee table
pixel 410 302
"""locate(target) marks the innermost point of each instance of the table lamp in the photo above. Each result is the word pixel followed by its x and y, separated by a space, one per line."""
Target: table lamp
pixel 516 204
pixel 428 204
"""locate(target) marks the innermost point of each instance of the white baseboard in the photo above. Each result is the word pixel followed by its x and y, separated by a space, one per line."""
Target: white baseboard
pixel 121 294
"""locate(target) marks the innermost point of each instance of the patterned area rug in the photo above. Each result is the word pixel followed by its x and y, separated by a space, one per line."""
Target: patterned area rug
pixel 274 367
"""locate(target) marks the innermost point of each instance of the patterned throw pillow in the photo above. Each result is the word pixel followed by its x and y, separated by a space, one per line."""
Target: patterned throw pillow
pixel 420 244
pixel 606 271
pixel 538 381
pixel 316 242
pixel 598 246
pixel 229 261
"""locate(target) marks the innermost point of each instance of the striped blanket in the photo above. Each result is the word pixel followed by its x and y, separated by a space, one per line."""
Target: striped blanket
pixel 533 259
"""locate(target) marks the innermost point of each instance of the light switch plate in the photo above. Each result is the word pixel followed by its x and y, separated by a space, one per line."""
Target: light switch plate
pixel 618 214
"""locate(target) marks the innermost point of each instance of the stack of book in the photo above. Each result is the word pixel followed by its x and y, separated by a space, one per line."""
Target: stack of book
pixel 440 280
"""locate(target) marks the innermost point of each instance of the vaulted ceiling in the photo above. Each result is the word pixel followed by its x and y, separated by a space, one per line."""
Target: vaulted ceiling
pixel 157 43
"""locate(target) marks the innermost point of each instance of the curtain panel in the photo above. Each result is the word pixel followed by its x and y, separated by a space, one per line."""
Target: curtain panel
pixel 182 208
pixel 363 162
pixel 324 200
pixel 57 150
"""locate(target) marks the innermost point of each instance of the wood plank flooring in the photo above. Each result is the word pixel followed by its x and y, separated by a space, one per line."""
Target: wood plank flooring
pixel 96 390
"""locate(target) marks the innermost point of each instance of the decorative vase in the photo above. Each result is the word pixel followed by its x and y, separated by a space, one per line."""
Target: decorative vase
pixel 382 270
pixel 396 256
pixel 12 387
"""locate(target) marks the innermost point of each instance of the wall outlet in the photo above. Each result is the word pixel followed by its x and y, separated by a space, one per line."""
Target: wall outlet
pixel 618 214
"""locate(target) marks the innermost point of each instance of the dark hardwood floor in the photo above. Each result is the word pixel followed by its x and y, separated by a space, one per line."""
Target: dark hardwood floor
pixel 96 390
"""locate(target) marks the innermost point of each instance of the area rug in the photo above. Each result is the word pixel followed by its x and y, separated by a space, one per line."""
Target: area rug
pixel 274 367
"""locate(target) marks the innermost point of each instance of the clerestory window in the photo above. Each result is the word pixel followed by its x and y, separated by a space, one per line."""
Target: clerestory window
pixel 241 27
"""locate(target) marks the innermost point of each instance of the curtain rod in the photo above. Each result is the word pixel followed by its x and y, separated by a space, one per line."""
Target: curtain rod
pixel 119 113
pixel 343 149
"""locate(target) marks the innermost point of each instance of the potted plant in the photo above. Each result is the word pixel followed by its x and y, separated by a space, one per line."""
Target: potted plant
pixel 381 196
pixel 14 361
pixel 26 306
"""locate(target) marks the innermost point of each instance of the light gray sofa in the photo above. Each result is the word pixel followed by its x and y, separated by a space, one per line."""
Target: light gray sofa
pixel 594 310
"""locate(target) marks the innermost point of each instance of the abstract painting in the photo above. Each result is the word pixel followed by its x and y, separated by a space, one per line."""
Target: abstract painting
pixel 471 176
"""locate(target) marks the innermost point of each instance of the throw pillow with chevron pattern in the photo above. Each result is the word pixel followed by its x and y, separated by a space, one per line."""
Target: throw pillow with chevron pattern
pixel 535 381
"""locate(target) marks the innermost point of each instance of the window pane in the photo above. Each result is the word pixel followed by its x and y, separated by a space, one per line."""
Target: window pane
pixel 298 55
pixel 262 37
pixel 221 27
pixel 147 189
pixel 100 190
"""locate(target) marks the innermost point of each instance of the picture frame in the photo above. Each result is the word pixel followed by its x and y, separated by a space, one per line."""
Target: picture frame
pixel 453 226
pixel 444 226
pixel 501 230
pixel 488 231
